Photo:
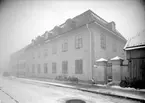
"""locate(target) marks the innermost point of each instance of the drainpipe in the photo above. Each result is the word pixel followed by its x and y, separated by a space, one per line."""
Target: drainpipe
pixel 90 48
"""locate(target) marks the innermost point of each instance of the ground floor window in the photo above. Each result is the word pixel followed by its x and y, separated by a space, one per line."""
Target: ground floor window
pixel 79 66
pixel 65 67
pixel 28 68
pixel 45 68
pixel 53 67
pixel 38 68
pixel 33 68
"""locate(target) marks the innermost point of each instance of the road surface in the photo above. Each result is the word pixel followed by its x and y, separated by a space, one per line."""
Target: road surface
pixel 17 91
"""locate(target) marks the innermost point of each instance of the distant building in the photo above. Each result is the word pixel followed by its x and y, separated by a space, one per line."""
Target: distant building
pixel 71 48
pixel 135 49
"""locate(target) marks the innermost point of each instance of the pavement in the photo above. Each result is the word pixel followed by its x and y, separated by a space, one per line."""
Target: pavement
pixel 132 94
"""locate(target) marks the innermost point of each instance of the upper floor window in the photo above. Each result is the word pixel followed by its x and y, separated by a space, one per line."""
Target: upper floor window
pixel 45 52
pixel 114 46
pixel 79 66
pixel 103 41
pixel 39 54
pixel 45 68
pixel 54 48
pixel 24 65
pixel 65 46
pixel 78 42
pixel 33 55
pixel 65 67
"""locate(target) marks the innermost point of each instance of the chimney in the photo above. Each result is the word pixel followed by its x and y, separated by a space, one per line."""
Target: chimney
pixel 111 25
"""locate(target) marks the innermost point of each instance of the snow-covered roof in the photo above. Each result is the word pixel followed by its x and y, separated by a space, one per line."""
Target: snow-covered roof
pixel 136 42
pixel 117 58
pixel 101 60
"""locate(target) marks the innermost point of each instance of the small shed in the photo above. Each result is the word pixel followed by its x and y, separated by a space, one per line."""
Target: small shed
pixel 135 50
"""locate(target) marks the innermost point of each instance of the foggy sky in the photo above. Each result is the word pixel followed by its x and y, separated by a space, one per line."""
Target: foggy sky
pixel 22 21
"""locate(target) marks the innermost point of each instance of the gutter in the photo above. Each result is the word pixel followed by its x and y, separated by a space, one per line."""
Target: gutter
pixel 134 47
pixel 91 63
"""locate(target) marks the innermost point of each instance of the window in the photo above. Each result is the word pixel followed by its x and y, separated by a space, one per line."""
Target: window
pixel 78 42
pixel 39 54
pixel 38 68
pixel 45 68
pixel 33 68
pixel 45 52
pixel 54 49
pixel 27 68
pixel 33 55
pixel 65 46
pixel 79 66
pixel 53 67
pixel 103 41
pixel 64 67
pixel 114 46
pixel 24 65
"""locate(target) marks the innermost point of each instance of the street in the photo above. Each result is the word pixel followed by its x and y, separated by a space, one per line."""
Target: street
pixel 17 91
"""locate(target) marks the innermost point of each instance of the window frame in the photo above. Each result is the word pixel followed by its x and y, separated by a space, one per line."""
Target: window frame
pixel 65 45
pixel 79 66
pixel 54 48
pixel 45 68
pixel 54 67
pixel 39 54
pixel 33 68
pixel 33 55
pixel 78 41
pixel 64 67
pixel 103 41
pixel 114 46
pixel 38 68
pixel 45 53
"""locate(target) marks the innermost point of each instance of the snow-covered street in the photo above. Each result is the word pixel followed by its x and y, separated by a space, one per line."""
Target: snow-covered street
pixel 31 92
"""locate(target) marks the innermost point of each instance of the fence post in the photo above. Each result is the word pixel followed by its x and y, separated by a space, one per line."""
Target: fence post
pixel 116 69
pixel 100 73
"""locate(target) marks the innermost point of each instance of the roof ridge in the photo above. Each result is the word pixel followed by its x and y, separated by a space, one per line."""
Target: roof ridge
pixel 93 16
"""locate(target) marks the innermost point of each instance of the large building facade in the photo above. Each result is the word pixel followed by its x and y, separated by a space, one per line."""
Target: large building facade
pixel 70 49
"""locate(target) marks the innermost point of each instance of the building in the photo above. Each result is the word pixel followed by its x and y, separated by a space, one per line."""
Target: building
pixel 135 49
pixel 71 48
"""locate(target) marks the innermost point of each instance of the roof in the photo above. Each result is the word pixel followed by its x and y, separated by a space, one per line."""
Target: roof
pixel 117 58
pixel 101 60
pixel 136 42
pixel 80 20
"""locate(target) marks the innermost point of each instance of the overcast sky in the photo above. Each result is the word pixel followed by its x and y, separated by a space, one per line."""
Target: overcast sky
pixel 23 20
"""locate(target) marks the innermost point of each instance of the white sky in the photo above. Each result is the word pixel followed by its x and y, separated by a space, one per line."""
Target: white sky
pixel 21 21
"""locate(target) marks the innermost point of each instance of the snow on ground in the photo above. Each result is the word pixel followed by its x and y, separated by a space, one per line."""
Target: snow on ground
pixel 122 88
pixel 127 88
pixel 101 85
pixel 34 93
pixel 5 98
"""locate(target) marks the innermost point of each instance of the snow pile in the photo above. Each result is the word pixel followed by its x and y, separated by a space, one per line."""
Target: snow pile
pixel 127 88
pixel 101 85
